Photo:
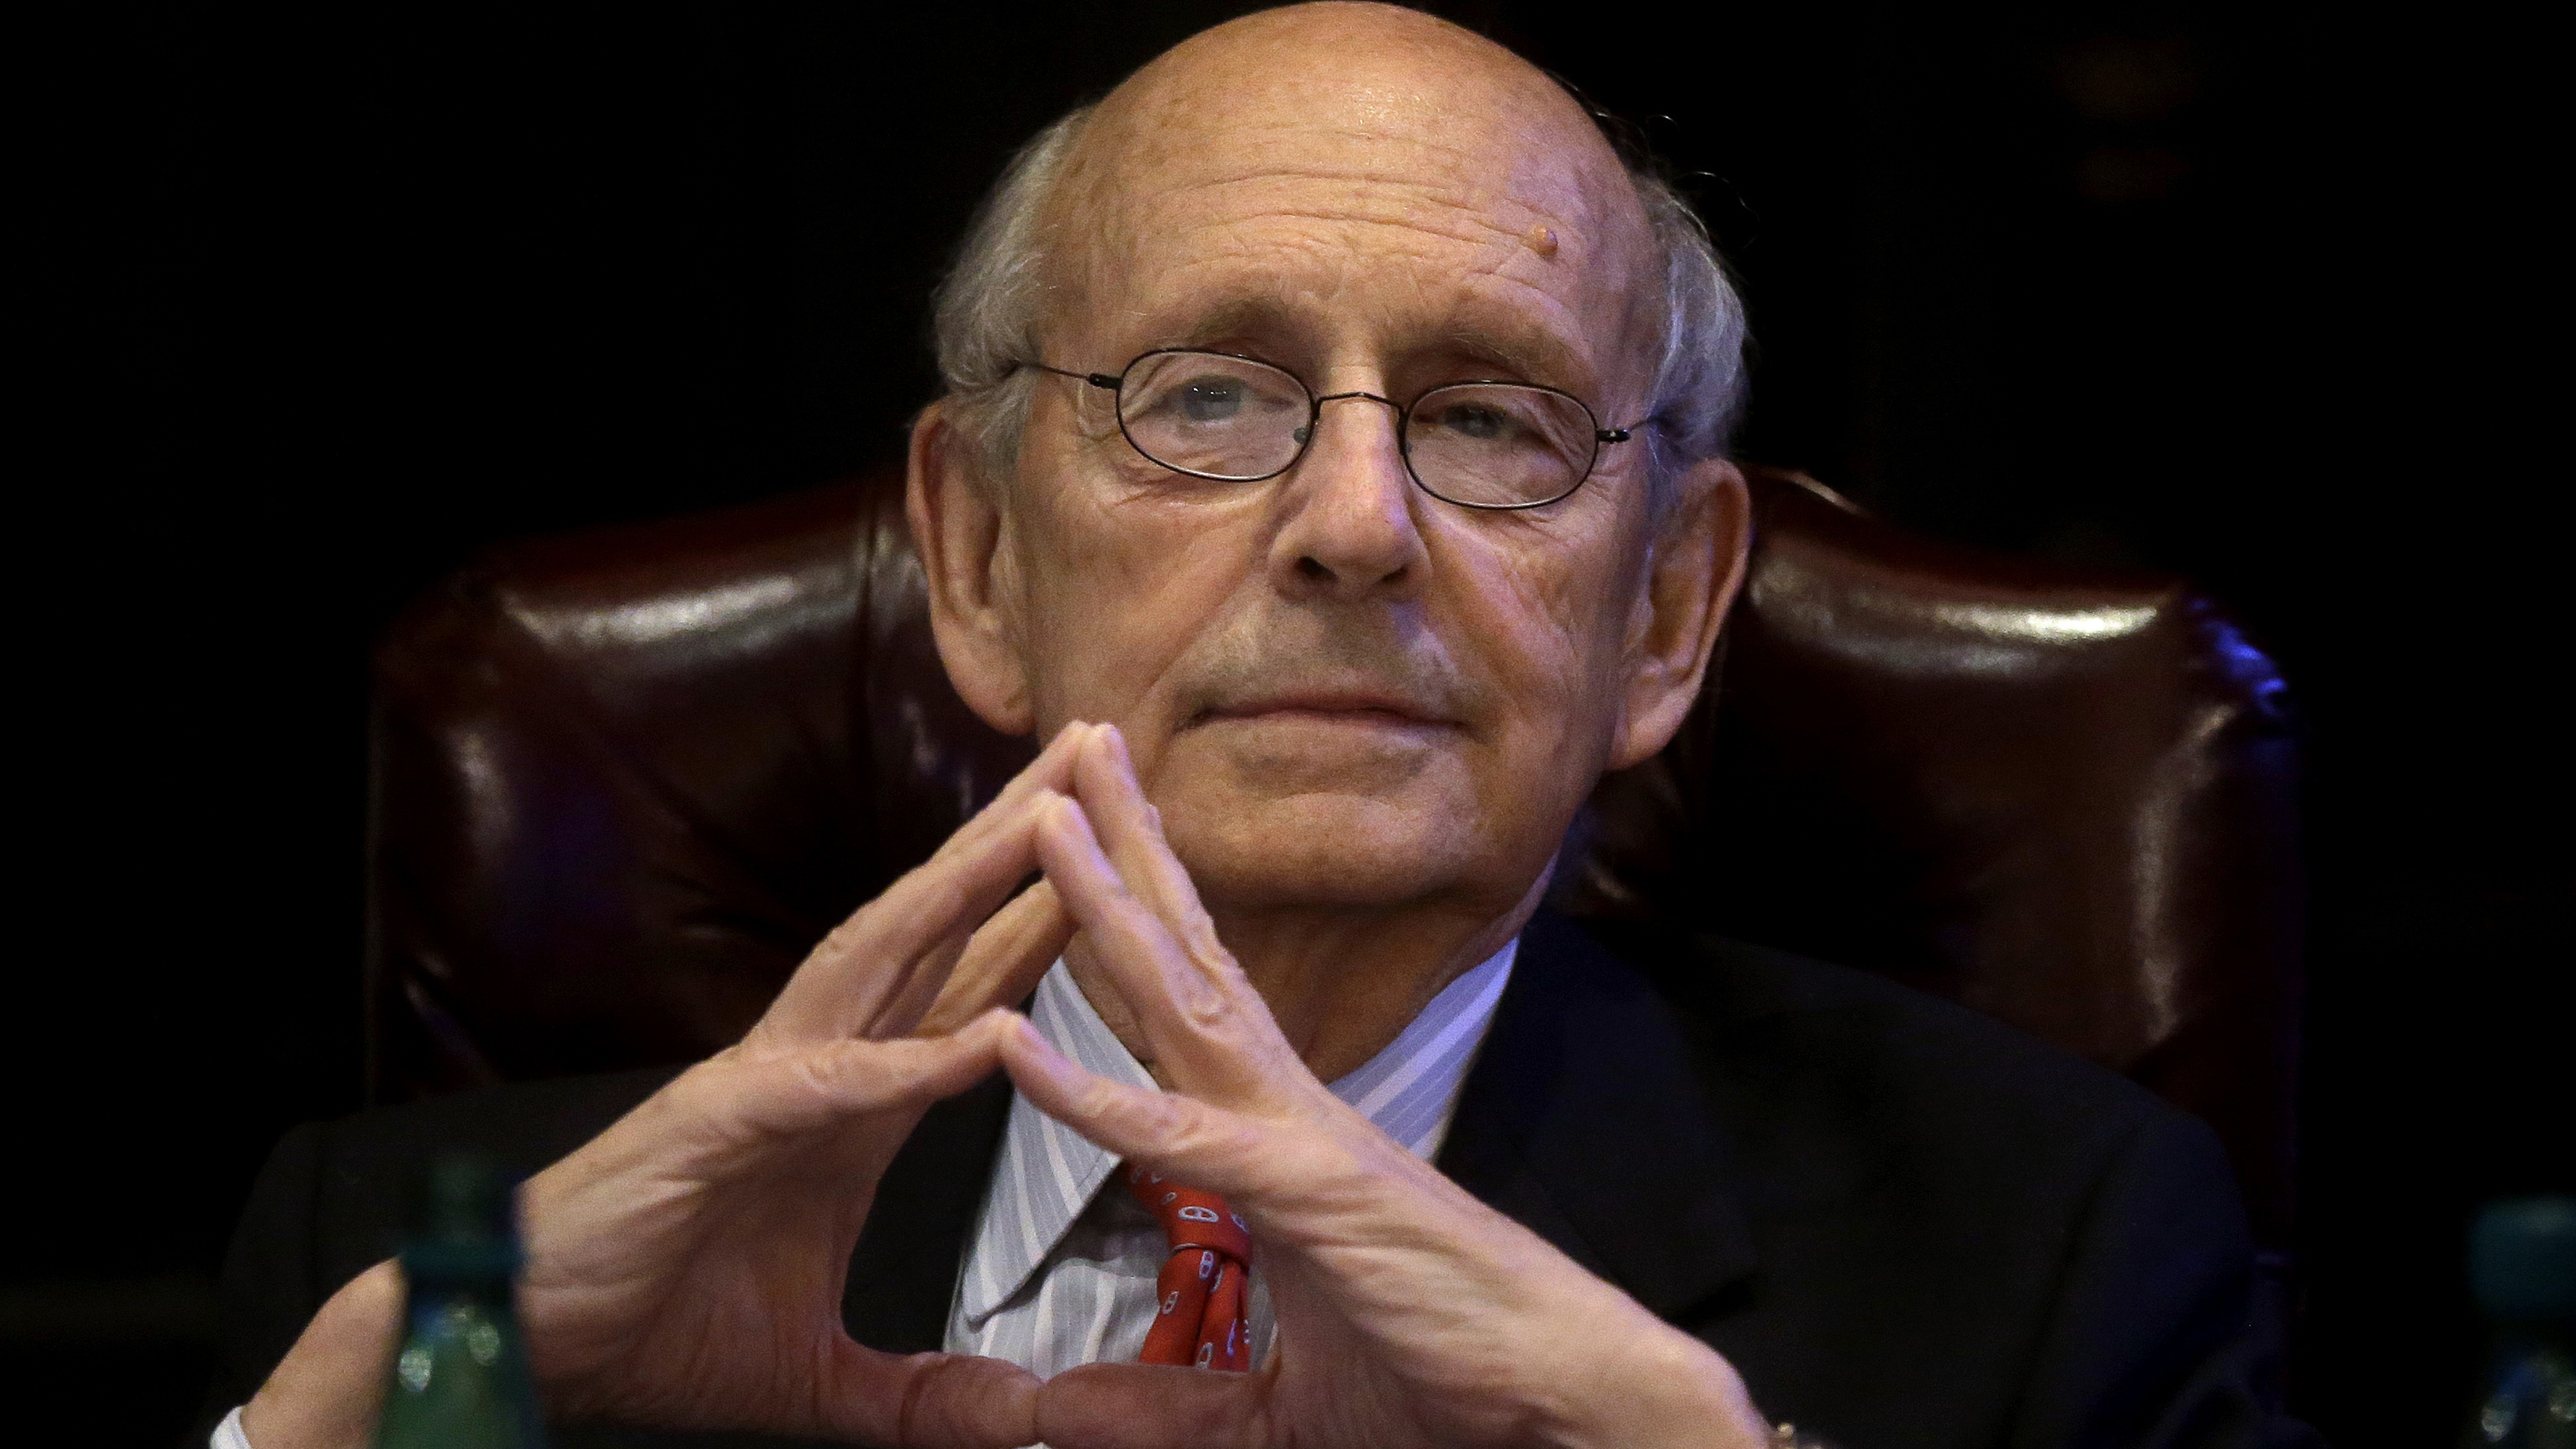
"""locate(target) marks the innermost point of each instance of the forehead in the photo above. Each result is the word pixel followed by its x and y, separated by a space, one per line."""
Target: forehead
pixel 1432 202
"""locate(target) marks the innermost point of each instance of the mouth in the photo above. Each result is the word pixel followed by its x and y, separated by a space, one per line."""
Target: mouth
pixel 1348 707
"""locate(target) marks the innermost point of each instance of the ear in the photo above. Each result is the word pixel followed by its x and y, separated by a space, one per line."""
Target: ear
pixel 1696 565
pixel 961 532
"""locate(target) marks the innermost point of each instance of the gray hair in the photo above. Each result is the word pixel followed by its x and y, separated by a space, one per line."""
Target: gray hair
pixel 1699 379
pixel 986 321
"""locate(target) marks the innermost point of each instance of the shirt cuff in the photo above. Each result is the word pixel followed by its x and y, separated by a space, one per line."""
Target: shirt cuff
pixel 228 1434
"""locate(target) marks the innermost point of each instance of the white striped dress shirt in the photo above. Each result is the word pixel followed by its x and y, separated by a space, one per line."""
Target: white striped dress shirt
pixel 1061 1271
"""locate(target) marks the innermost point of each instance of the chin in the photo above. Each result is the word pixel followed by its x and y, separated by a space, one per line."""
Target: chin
pixel 1276 814
pixel 1321 848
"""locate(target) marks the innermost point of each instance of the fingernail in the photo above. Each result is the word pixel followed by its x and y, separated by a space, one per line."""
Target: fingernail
pixel 1042 1053
pixel 1070 816
pixel 1076 819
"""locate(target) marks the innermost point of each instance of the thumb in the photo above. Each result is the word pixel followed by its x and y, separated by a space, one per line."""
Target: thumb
pixel 1148 1406
pixel 930 1400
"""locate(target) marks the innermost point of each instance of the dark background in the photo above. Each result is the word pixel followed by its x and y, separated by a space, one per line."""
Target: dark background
pixel 321 302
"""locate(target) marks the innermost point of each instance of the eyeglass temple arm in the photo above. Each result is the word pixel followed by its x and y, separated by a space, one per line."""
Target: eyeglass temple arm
pixel 1096 379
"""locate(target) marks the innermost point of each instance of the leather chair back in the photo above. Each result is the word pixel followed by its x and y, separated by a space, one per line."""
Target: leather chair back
pixel 623 779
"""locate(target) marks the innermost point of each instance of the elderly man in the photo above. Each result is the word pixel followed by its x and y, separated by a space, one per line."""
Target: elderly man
pixel 1333 468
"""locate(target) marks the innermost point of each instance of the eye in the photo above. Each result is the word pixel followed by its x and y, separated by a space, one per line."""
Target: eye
pixel 1478 421
pixel 1211 399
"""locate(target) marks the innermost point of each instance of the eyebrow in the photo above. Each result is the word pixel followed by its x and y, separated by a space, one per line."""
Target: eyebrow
pixel 1531 354
pixel 1523 353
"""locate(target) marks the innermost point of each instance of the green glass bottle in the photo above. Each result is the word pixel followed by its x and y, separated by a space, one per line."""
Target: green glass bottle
pixel 2522 1265
pixel 461 1380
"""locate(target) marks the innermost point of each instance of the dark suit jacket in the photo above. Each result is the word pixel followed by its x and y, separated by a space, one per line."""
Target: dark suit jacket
pixel 1904 1223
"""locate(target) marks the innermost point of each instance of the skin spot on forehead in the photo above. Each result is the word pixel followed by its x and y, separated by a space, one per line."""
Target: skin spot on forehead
pixel 1542 240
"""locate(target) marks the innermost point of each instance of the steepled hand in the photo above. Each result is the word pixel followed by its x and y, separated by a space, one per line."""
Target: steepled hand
pixel 1408 1312
pixel 685 1266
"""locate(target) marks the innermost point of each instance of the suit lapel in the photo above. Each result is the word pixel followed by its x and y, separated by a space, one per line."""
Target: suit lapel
pixel 1583 1120
pixel 904 1269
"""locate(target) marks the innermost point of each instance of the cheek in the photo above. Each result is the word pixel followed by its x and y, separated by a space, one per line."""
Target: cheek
pixel 1118 584
pixel 1541 617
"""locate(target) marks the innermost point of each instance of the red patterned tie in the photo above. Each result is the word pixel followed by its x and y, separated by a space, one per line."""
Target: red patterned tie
pixel 1200 1292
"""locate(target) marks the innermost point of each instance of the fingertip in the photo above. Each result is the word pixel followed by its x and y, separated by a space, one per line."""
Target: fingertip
pixel 937 1400
pixel 1045 806
pixel 1055 763
pixel 1141 1406
pixel 1025 1048
pixel 1065 813
pixel 1024 1033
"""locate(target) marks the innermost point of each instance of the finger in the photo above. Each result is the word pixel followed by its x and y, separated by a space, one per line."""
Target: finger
pixel 1214 1042
pixel 1003 962
pixel 939 901
pixel 831 1082
pixel 929 1400
pixel 1147 1406
pixel 331 1385
pixel 1131 835
pixel 1202 1144
pixel 921 922
pixel 734 1111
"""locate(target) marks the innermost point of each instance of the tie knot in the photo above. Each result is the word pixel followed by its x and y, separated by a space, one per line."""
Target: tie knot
pixel 1201 1292
pixel 1191 1218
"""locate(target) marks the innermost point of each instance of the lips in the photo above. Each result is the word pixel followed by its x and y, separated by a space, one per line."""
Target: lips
pixel 1356 706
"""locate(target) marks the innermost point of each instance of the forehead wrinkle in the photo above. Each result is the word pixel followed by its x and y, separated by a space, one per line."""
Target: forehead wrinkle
pixel 1539 177
pixel 1438 208
pixel 1503 161
pixel 1405 214
pixel 1394 187
pixel 1246 288
pixel 1267 147
pixel 1405 222
pixel 1286 79
pixel 1484 310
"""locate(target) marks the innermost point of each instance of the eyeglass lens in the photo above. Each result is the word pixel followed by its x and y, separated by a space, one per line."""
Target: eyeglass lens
pixel 1490 445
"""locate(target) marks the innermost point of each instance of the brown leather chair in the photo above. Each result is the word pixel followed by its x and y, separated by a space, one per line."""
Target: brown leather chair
pixel 623 779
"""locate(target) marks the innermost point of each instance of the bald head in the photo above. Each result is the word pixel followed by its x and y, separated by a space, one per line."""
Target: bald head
pixel 1392 86
pixel 1414 133
pixel 1369 129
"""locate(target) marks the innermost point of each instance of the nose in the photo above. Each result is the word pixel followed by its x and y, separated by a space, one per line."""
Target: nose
pixel 1350 531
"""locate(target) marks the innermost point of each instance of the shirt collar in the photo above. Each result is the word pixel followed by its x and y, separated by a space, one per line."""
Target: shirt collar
pixel 1047 1173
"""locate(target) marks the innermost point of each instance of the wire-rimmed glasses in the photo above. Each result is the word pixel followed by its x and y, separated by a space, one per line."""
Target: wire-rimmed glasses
pixel 1235 419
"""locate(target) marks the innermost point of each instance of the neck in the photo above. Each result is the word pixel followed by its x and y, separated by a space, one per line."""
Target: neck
pixel 1341 982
